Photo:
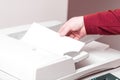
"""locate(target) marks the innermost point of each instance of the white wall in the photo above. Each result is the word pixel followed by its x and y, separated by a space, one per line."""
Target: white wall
pixel 19 12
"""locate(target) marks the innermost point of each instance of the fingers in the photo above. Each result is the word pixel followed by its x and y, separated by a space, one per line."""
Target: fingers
pixel 71 35
pixel 74 35
pixel 76 38
pixel 64 30
pixel 72 28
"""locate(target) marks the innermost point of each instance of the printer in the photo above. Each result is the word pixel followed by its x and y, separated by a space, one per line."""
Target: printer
pixel 22 61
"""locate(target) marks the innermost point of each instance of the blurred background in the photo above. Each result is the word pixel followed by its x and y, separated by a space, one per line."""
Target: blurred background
pixel 20 12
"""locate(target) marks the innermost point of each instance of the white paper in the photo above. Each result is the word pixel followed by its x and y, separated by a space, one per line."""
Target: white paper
pixel 51 41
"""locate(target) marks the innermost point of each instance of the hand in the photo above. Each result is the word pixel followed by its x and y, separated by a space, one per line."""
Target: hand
pixel 73 28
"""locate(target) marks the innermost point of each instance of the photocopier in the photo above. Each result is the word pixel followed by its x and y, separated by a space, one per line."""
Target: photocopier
pixel 22 61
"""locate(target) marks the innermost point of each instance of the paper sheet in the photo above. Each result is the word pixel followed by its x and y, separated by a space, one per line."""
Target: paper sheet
pixel 51 41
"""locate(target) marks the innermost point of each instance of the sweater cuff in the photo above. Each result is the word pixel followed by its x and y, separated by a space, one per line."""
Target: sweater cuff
pixel 90 24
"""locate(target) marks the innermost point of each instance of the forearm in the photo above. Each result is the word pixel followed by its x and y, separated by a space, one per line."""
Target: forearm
pixel 103 22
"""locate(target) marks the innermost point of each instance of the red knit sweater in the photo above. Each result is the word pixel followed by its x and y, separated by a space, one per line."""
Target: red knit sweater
pixel 103 22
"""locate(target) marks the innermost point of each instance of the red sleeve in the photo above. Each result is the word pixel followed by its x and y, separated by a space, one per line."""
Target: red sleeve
pixel 103 22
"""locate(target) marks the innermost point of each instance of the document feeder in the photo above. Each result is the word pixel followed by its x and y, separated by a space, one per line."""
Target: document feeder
pixel 101 57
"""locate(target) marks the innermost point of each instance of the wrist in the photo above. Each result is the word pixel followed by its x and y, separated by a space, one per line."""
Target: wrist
pixel 83 29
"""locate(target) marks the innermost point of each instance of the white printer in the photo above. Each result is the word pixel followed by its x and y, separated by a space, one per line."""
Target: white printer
pixel 28 63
